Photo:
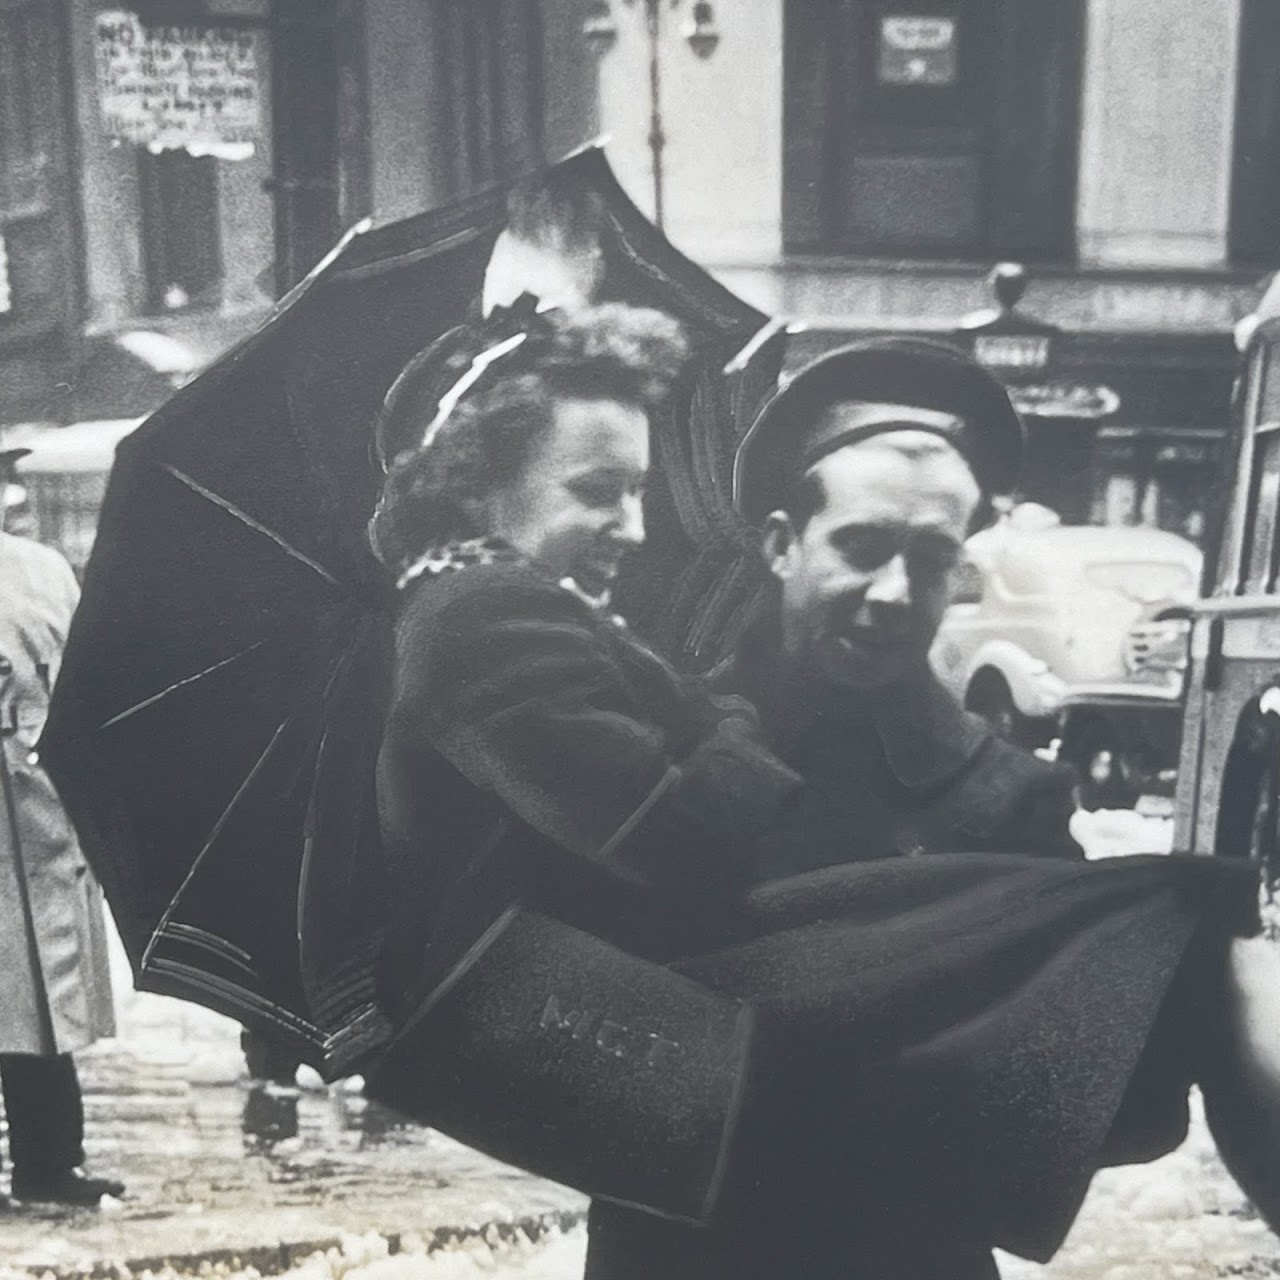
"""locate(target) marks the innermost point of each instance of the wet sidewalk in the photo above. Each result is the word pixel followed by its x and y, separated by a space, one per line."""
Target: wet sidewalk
pixel 224 1176
pixel 222 1170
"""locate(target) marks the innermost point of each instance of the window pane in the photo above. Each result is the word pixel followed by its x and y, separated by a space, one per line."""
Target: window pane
pixel 1266 486
pixel 967 584
pixel 1230 557
pixel 1269 401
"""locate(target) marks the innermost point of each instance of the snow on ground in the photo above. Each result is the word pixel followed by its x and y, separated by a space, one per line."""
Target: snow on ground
pixel 1115 833
pixel 557 1257
pixel 1179 1218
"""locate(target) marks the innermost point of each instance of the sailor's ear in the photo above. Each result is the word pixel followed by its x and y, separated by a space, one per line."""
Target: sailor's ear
pixel 779 544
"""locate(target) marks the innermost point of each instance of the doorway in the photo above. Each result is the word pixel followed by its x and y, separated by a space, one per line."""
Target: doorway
pixel 932 128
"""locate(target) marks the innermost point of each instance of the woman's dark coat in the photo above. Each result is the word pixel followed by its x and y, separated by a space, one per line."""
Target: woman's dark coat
pixel 929 1056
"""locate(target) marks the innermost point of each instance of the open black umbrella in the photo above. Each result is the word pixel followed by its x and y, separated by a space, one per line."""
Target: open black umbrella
pixel 216 719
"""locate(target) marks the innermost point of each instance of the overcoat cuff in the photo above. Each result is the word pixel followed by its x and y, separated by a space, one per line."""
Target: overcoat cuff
pixel 550 1049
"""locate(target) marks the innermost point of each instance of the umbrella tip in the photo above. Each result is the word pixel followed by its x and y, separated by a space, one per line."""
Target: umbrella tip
pixel 757 340
pixel 598 143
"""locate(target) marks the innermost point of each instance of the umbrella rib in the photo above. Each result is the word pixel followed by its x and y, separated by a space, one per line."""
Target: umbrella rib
pixel 212 840
pixel 409 258
pixel 245 518
pixel 178 684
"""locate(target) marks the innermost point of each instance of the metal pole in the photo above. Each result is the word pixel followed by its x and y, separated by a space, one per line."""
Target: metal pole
pixel 657 138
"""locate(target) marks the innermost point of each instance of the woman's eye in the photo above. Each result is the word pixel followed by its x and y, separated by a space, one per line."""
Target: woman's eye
pixel 597 493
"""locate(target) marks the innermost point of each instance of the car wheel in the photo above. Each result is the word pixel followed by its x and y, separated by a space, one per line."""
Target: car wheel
pixel 1099 760
pixel 990 697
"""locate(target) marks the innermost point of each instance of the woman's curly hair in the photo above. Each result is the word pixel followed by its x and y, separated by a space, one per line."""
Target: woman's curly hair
pixel 438 493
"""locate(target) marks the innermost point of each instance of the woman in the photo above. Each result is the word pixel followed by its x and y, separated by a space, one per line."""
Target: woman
pixel 587 979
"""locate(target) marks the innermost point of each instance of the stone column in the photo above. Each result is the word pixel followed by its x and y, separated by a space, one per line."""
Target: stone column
pixel 1156 137
pixel 245 210
pixel 404 142
pixel 110 215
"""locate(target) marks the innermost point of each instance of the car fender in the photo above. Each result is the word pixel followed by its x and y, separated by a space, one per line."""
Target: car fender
pixel 1036 691
pixel 1139 695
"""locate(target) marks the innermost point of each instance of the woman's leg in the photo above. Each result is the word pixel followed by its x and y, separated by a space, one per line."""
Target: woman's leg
pixel 1242 1087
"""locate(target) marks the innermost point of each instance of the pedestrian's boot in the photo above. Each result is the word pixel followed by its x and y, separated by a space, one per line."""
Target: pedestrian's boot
pixel 64 1186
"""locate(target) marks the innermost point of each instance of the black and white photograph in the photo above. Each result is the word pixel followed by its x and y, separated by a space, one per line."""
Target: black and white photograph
pixel 640 639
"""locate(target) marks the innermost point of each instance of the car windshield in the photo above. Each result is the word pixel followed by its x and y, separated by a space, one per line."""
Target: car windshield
pixel 1142 581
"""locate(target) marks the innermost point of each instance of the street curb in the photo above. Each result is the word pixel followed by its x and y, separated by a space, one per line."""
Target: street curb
pixel 276 1259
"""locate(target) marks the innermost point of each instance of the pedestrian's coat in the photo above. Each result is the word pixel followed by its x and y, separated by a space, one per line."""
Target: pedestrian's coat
pixel 55 996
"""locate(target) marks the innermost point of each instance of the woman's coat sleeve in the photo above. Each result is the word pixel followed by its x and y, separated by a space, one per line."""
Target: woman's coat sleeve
pixel 512 684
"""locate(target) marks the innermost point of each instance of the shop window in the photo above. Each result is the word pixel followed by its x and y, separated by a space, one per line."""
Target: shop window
pixel 179 196
pixel 1260 572
pixel 1120 500
pixel 37 266
pixel 931 126
pixel 190 103
pixel 967 584
pixel 1157 478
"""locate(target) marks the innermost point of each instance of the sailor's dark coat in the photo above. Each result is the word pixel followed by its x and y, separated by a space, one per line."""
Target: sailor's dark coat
pixel 910 771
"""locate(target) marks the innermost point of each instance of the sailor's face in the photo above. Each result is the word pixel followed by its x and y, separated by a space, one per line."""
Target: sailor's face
pixel 865 582
pixel 575 508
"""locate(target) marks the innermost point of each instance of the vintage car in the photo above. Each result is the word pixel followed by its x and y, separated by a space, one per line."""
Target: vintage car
pixel 1050 616
pixel 62 482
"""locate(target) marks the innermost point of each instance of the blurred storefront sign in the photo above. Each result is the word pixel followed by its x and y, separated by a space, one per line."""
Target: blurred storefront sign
pixel 190 87
pixel 917 50
pixel 1065 400
pixel 1012 350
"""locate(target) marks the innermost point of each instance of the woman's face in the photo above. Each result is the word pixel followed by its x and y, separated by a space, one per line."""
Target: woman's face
pixel 576 506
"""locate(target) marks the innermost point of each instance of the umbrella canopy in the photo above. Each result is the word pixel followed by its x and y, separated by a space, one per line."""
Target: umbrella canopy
pixel 218 713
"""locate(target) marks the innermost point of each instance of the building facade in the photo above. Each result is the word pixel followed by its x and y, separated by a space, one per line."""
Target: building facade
pixel 853 165
pixel 859 165
pixel 168 168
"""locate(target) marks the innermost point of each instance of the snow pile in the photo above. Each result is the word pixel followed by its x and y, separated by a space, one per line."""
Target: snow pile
pixel 1178 1218
pixel 554 1256
pixel 1117 833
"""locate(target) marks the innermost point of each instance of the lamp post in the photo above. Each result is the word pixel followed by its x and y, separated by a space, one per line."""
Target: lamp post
pixel 702 36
